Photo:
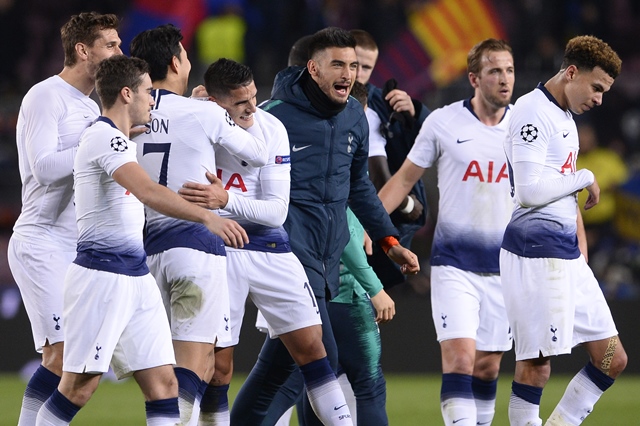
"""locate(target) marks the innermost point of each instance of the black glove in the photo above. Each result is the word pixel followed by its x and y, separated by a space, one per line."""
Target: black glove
pixel 404 117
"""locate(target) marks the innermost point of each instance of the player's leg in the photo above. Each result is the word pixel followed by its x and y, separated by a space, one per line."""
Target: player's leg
pixel 484 385
pixel 323 401
pixel 159 386
pixel 74 392
pixel 595 327
pixel 271 371
pixel 196 299
pixel 285 298
pixel 145 350
pixel 214 406
pixel 39 272
pixel 359 352
pixel 530 377
pixel 492 340
pixel 455 305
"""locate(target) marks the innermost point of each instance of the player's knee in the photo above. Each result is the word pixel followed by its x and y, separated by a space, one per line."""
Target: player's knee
pixel 52 358
pixel 614 360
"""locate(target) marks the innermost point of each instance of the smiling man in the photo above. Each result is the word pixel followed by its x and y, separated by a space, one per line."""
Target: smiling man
pixel 328 135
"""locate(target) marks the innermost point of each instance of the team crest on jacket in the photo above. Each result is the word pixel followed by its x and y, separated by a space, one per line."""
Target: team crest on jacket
pixel 529 133
pixel 350 139
pixel 119 144
pixel 230 121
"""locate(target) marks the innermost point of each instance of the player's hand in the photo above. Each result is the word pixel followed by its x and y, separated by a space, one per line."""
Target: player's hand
pixel 401 101
pixel 594 195
pixel 368 244
pixel 385 307
pixel 407 260
pixel 136 131
pixel 199 92
pixel 231 233
pixel 414 214
pixel 209 196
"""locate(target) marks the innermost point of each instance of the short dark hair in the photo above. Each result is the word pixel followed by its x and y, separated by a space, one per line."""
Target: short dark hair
pixel 84 28
pixel 360 92
pixel 364 40
pixel 474 57
pixel 157 46
pixel 588 52
pixel 115 73
pixel 330 37
pixel 299 53
pixel 225 75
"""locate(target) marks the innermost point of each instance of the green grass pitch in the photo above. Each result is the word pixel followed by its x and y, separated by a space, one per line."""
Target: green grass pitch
pixel 411 400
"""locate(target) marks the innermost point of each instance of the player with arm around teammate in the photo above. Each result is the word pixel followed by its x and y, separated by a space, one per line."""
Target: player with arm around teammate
pixel 552 298
pixel 465 141
pixel 187 261
pixel 265 269
pixel 52 116
pixel 112 305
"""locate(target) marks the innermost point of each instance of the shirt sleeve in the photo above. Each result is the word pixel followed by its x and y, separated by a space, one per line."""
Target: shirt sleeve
pixel 377 142
pixel 48 164
pixel 236 140
pixel 275 182
pixel 355 259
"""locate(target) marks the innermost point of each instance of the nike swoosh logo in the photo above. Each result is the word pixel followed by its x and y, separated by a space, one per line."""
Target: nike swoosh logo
pixel 565 134
pixel 85 115
pixel 484 423
pixel 464 140
pixel 296 148
pixel 458 420
pixel 337 408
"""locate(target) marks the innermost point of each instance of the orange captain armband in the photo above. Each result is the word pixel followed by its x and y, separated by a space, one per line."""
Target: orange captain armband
pixel 388 242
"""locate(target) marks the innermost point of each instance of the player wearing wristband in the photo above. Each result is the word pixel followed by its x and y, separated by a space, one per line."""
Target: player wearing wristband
pixel 465 140
pixel 328 136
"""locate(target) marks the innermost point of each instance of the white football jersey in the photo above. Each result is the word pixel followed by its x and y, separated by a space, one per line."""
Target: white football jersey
pixel 259 196
pixel 473 183
pixel 542 132
pixel 178 148
pixel 377 142
pixel 52 117
pixel 110 218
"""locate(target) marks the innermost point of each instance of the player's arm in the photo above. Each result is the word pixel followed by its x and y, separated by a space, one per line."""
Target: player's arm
pixel 133 178
pixel 354 259
pixel 396 190
pixel 237 141
pixel 269 211
pixel 532 190
pixel 582 236
pixel 47 163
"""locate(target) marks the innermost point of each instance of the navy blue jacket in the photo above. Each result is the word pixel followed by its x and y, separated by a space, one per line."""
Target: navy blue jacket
pixel 328 167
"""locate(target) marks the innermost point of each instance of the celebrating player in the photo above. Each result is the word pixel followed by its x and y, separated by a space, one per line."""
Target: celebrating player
pixel 52 116
pixel 465 140
pixel 552 298
pixel 112 305
pixel 187 261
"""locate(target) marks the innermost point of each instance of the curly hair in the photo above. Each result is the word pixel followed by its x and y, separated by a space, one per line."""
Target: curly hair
pixel 588 52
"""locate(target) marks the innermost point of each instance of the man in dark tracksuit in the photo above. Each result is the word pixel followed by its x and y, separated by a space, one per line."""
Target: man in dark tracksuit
pixel 328 136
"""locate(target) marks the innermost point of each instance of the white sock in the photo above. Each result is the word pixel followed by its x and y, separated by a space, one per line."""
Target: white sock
pixel 458 412
pixel 523 413
pixel 485 410
pixel 349 396
pixel 577 402
pixel 325 395
pixel 285 419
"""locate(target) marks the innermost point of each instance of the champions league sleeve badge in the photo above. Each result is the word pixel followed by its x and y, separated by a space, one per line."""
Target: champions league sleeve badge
pixel 529 133
pixel 119 144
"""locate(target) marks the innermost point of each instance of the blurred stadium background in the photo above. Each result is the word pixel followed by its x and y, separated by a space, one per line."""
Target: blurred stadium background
pixel 423 45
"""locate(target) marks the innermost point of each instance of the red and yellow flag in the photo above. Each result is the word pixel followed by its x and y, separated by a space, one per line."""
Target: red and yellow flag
pixel 447 29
